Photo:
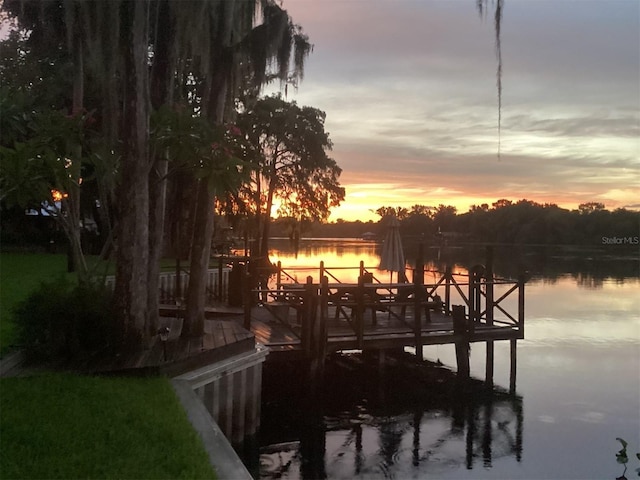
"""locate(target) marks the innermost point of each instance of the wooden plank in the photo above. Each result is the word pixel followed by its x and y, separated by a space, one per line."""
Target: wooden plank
pixel 208 341
pixel 195 345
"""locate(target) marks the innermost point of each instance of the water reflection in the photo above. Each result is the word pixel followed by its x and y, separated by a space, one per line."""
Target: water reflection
pixel 590 267
pixel 578 370
pixel 399 425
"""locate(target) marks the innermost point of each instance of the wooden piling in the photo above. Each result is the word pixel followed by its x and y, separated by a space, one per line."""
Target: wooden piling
pixel 447 290
pixel 279 276
pixel 306 334
pixel 475 295
pixel 323 317
pixel 488 282
pixel 417 319
pixel 460 328
pixel 488 375
pixel 360 305
pixel 513 365
pixel 317 312
pixel 522 279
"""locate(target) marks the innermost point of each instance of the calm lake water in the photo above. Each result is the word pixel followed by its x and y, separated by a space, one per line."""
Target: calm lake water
pixel 578 382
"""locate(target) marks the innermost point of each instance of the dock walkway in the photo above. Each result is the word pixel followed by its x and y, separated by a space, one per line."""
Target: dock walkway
pixel 280 330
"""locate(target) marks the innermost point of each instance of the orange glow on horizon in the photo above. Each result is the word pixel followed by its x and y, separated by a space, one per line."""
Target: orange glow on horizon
pixel 362 201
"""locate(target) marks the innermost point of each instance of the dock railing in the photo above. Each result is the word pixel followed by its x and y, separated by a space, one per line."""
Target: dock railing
pixel 488 299
pixel 173 284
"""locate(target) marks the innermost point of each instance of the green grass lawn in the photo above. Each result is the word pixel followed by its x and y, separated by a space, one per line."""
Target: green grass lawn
pixel 69 426
pixel 19 275
pixel 72 426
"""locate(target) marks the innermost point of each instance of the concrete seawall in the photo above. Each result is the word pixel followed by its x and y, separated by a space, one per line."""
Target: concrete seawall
pixel 222 401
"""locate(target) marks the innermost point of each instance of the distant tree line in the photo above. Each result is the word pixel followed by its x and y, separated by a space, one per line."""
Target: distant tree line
pixel 505 221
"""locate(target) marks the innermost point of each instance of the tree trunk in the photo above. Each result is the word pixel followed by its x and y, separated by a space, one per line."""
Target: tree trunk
pixel 157 202
pixel 161 93
pixel 203 224
pixel 131 289
pixel 71 217
pixel 200 251
pixel 264 246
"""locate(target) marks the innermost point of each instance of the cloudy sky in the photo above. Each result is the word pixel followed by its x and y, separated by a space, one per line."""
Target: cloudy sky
pixel 409 89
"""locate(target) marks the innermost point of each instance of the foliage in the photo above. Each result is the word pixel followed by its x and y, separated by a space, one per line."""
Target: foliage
pixel 62 318
pixel 192 145
pixel 120 59
pixel 291 164
pixel 20 275
pixel 525 222
pixel 66 426
pixel 45 164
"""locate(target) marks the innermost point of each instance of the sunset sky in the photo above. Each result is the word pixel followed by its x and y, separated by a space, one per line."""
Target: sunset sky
pixel 409 89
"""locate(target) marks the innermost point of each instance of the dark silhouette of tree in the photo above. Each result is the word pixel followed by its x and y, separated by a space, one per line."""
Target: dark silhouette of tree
pixel 399 212
pixel 526 222
pixel 291 165
pixel 124 59
pixel 589 207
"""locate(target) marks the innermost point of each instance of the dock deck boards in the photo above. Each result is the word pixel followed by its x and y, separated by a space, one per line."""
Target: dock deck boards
pixel 284 334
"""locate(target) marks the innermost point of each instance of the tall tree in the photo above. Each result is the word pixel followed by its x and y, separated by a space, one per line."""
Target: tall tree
pixel 235 58
pixel 206 52
pixel 292 166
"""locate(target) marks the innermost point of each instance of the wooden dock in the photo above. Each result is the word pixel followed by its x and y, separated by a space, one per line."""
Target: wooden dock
pixel 280 330
pixel 318 318
pixel 323 315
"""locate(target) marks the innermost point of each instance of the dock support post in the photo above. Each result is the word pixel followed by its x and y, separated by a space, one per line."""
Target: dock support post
pixel 513 366
pixel 317 311
pixel 462 342
pixel 417 320
pixel 360 312
pixel 488 281
pixel 447 290
pixel 488 374
pixel 306 333
pixel 522 279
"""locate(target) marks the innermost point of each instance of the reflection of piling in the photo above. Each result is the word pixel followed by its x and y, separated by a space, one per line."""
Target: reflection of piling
pixel 460 329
